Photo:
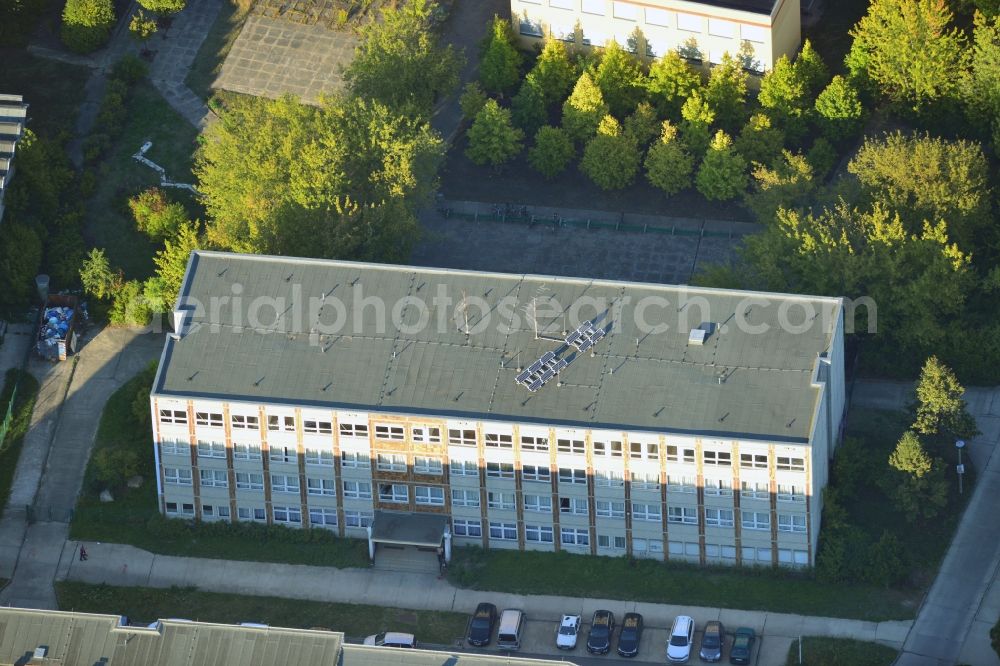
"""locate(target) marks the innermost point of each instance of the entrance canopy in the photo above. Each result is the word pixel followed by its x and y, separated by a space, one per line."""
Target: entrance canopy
pixel 409 529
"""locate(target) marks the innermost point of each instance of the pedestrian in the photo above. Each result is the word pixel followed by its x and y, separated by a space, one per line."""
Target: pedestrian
pixel 83 554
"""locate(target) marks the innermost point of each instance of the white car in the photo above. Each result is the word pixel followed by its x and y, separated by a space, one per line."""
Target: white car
pixel 681 639
pixel 569 628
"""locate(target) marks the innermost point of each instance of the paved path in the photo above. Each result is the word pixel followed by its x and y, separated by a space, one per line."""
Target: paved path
pixel 175 51
pixel 56 448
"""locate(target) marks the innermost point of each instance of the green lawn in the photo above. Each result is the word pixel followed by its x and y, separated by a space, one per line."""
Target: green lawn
pixel 133 517
pixel 54 90
pixel 109 223
pixel 10 448
pixel 355 620
pixel 214 49
pixel 824 651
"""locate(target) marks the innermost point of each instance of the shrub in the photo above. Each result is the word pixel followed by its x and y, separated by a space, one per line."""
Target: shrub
pixel 141 26
pixel 114 464
pixel 155 215
pixel 163 6
pixel 552 151
pixel 20 257
pixel 87 24
pixel 129 307
pixel 887 564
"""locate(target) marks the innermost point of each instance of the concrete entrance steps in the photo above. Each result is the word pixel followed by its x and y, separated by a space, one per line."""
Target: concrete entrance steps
pixel 405 558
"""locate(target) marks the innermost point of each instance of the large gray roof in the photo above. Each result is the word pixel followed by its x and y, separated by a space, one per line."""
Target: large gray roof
pixel 662 384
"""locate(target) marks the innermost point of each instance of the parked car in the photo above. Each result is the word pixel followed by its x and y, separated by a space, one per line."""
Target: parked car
pixel 392 639
pixel 712 640
pixel 511 627
pixel 602 626
pixel 566 635
pixel 742 649
pixel 681 638
pixel 481 625
pixel 630 635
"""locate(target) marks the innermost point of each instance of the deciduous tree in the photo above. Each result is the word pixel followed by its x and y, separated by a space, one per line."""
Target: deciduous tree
pixel 528 107
pixel 726 93
pixel 722 174
pixel 839 113
pixel 171 262
pixel 86 24
pixel 670 82
pixel 910 456
pixel 812 68
pixel 582 112
pixel 500 65
pixel 493 139
pixel 940 405
pixel 97 277
pixel 620 79
pixel 552 152
pixel 982 87
pixel 472 100
pixel 788 183
pixel 696 126
pixel 611 159
pixel 642 125
pixel 554 72
pixel 759 141
pixel 668 165
pixel 155 215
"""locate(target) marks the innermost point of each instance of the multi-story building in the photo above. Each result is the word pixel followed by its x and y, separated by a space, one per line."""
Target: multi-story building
pixel 13 117
pixel 761 31
pixel 420 406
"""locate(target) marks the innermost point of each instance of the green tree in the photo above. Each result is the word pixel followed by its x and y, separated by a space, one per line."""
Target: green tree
pixel 554 72
pixel 822 156
pixel 552 152
pixel 528 107
pixel 163 6
pixel 583 110
pixel 940 406
pixel 784 91
pixel 670 82
pixel 161 290
pixel 982 87
pixel 924 497
pixel 493 139
pixel 668 165
pixel 142 26
pixel 43 178
pixel 400 63
pixel 887 562
pixel 722 174
pixel 696 127
pixel 472 100
pixel 20 258
pixel 500 65
pixel 86 24
pixel 812 69
pixel 155 215
pixel 726 93
pixel 97 276
pixel 340 180
pixel 910 456
pixel 129 306
pixel 642 125
pixel 839 113
pixel 788 183
pixel 759 141
pixel 611 159
pixel 908 51
pixel 620 79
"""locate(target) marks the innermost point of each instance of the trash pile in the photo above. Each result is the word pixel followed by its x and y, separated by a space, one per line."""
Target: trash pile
pixel 55 327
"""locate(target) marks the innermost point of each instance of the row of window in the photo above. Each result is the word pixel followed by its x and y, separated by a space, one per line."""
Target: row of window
pixel 290 515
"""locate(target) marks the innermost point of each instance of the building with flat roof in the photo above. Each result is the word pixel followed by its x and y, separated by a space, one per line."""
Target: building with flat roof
pixel 427 406
pixel 13 117
pixel 701 30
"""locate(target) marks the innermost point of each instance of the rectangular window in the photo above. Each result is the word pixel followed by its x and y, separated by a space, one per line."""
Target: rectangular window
pixel 426 434
pixel 531 443
pixel 720 458
pixel 650 512
pixel 753 33
pixel 248 513
pixel 396 493
pixel 609 479
pixel 280 423
pixel 243 422
pixel 176 477
pixel 462 437
pixel 624 10
pixel 497 440
pixel 391 462
pixel 286 454
pixel 467 498
pixel 353 430
pixel 177 416
pixel 427 466
pixel 357 518
pixel 318 486
pixel 792 522
pixel 609 509
pixel 463 468
pixel 682 484
pixel 284 483
pixel 690 22
pixel 612 449
pixel 753 460
pixel 325 518
pixel 718 487
pixel 249 481
pixel 357 490
pixel 751 490
pixel 210 419
pixel 317 427
pixel 214 478
pixel 571 536
pixel 500 470
pixel 538 533
pixel 613 542
pixel 538 503
pixel 322 457
pixel 467 528
pixel 788 493
pixel 246 451
pixel 211 449
pixel 719 517
pixel 791 464
pixel 530 27
pixel 429 495
pixel 571 446
pixel 675 454
pixel 207 510
pixel 594 7
pixel 354 459
pixel 721 28
pixel 567 475
pixel 645 480
pixel 289 515
pixel 395 433
pixel 536 473
pixel 682 514
pixel 503 531
pixel 755 520
pixel 648 450
pixel 658 17
pixel 562 4
pixel 177 447
pixel 497 500
pixel 574 505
